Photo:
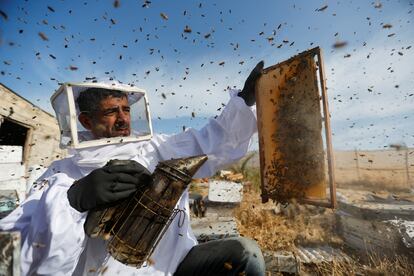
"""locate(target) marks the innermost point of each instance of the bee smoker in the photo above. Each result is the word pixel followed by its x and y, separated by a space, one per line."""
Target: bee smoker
pixel 135 226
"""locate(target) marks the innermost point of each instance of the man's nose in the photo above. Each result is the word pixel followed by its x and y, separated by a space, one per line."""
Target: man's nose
pixel 122 115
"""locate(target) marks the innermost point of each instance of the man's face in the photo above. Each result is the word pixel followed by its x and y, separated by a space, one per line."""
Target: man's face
pixel 112 119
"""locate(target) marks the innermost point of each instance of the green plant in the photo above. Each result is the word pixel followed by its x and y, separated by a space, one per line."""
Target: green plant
pixel 241 166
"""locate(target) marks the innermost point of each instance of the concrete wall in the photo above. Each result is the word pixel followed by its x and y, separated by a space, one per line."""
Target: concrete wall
pixel 43 140
pixel 41 145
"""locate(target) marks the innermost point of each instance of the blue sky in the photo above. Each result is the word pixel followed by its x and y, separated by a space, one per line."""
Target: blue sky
pixel 370 80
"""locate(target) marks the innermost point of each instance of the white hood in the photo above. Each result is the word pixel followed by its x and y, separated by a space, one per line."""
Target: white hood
pixel 73 135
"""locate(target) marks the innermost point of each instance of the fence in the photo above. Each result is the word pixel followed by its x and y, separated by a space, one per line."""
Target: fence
pixel 385 169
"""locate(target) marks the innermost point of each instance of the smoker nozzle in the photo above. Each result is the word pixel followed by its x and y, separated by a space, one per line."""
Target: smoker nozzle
pixel 188 166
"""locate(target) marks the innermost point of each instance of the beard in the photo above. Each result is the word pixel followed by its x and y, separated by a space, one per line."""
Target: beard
pixel 121 129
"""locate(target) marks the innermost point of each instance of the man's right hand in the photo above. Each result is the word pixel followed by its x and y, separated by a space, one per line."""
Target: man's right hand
pixel 107 185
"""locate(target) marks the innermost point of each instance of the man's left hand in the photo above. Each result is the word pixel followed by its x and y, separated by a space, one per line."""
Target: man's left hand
pixel 248 92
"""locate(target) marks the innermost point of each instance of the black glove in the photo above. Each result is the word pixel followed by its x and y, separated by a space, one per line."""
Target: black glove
pixel 107 185
pixel 248 92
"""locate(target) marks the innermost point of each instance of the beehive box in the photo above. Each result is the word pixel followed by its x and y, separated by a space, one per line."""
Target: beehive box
pixel 296 162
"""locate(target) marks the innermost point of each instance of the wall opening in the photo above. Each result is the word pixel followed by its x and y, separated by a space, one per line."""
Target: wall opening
pixel 12 133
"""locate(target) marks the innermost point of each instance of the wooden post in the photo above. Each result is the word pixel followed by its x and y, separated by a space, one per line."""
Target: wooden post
pixel 407 168
pixel 357 164
pixel 10 253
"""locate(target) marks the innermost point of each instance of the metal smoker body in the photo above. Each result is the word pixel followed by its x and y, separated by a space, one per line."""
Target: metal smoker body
pixel 135 226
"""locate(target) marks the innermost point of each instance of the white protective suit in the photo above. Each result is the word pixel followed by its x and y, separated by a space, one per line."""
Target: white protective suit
pixel 53 238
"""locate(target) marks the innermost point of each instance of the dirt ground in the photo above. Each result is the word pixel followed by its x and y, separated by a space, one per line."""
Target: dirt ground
pixel 276 228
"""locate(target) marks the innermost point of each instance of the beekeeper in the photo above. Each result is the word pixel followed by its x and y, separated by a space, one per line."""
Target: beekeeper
pixel 100 122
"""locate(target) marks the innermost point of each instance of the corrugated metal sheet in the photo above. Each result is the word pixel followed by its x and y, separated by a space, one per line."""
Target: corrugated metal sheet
pixel 291 262
pixel 318 254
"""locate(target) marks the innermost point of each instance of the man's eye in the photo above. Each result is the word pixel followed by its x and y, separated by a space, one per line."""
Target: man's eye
pixel 110 113
pixel 127 109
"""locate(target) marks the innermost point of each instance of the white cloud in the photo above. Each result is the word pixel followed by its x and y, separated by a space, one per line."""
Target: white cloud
pixel 352 77
pixel 376 118
pixel 202 92
pixel 386 106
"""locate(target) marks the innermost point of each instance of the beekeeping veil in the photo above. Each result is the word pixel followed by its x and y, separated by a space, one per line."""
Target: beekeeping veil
pixel 74 135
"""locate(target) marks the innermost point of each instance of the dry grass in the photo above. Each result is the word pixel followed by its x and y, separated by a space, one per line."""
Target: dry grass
pixel 278 228
pixel 400 265
pixel 275 227
pixel 271 231
pixel 336 267
pixel 305 225
pixel 369 185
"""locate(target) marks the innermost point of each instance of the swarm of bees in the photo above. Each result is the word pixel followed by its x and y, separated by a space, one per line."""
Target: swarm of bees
pixel 169 38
